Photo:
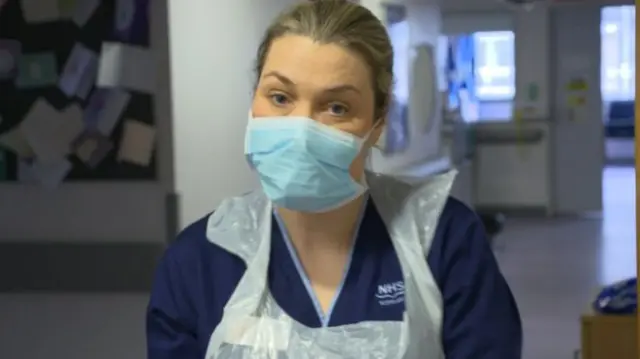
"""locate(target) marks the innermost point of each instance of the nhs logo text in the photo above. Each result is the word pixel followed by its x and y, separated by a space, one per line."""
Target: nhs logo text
pixel 390 293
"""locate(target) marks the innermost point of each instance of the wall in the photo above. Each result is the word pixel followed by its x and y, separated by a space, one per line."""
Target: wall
pixel 513 176
pixel 518 175
pixel 90 236
pixel 212 78
pixel 578 134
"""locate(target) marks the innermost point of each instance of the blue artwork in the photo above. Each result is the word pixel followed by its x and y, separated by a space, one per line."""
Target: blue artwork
pixel 132 22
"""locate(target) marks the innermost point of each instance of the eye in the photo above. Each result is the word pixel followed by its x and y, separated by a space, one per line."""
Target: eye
pixel 337 109
pixel 279 99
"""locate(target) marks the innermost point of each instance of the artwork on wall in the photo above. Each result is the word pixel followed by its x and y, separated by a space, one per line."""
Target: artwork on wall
pixel 76 72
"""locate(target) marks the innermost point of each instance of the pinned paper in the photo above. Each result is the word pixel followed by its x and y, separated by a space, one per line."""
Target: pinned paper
pixel 9 55
pixel 88 80
pixel 91 148
pixel 84 10
pixel 38 11
pixel 49 132
pixel 48 175
pixel 37 70
pixel 79 72
pixel 14 141
pixel 132 21
pixel 104 109
pixel 137 143
pixel 124 66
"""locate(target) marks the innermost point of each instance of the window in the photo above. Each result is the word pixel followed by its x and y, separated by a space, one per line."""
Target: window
pixel 617 70
pixel 494 70
pixel 480 71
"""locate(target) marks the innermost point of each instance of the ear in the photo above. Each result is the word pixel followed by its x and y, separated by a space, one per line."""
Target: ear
pixel 378 135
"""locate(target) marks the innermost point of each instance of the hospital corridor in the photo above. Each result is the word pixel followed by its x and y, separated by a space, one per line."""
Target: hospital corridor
pixel 127 126
pixel 555 266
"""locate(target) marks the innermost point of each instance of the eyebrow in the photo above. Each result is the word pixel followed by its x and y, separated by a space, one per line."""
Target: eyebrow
pixel 335 89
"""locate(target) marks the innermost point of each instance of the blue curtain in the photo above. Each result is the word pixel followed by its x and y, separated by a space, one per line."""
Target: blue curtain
pixel 460 67
pixel 464 58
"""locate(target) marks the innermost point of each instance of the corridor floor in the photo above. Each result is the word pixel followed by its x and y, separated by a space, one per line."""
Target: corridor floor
pixel 554 266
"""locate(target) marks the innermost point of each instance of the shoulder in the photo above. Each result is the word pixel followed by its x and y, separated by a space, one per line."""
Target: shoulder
pixel 193 252
pixel 459 234
pixel 193 281
pixel 481 318
pixel 455 213
pixel 195 271
pixel 192 247
pixel 456 223
pixel 192 261
pixel 189 244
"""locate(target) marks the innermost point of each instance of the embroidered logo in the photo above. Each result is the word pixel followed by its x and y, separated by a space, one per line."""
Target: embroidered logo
pixel 390 293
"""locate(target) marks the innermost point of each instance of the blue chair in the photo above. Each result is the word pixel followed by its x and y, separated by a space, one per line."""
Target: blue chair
pixel 621 119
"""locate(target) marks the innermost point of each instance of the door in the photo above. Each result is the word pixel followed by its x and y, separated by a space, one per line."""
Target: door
pixel 577 130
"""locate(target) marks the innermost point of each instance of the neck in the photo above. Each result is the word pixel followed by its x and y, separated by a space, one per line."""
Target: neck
pixel 331 230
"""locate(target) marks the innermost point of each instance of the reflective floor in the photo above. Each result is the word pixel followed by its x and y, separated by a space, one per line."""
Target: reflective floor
pixel 619 150
pixel 555 266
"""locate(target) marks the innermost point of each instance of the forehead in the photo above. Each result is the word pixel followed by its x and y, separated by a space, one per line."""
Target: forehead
pixel 309 63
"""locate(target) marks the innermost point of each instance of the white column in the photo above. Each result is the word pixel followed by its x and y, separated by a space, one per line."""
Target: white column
pixel 424 21
pixel 532 57
pixel 213 47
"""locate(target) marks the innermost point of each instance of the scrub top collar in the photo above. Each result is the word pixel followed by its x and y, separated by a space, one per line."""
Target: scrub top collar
pixel 323 317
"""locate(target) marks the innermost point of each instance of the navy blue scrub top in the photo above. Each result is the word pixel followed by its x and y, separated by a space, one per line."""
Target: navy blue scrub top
pixel 196 278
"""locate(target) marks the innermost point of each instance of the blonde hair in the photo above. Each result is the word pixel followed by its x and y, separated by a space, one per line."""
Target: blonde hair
pixel 341 22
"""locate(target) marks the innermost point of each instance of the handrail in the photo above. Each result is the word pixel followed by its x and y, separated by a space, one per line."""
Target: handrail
pixel 509 136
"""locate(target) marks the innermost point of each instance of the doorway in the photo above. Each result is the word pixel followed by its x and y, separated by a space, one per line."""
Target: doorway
pixel 617 76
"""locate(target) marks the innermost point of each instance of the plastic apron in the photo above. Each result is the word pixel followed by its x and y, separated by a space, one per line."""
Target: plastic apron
pixel 254 326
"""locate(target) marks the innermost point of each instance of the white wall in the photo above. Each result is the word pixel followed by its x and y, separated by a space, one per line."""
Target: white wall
pixel 213 46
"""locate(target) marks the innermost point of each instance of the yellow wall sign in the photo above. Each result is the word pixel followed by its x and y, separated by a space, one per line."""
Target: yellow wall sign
pixel 576 92
pixel 577 84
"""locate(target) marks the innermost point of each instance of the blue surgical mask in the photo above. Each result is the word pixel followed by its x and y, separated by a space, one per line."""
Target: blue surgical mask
pixel 302 164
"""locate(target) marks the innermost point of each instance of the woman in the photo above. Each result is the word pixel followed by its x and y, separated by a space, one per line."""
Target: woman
pixel 323 262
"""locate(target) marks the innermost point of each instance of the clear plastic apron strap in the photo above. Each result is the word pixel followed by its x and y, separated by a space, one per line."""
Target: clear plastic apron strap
pixel 248 295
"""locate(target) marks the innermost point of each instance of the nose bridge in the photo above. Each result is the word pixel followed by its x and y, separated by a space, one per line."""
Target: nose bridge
pixel 303 108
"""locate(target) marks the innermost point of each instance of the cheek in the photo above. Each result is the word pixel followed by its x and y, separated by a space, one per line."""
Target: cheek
pixel 260 107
